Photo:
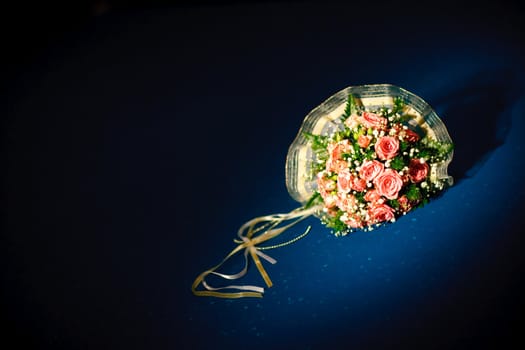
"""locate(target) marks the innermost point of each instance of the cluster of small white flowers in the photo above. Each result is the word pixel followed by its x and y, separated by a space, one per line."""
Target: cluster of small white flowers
pixel 412 151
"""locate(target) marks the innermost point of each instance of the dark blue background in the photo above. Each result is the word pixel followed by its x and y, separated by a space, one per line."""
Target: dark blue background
pixel 140 139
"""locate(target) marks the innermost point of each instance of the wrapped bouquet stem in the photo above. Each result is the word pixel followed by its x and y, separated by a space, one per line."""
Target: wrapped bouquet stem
pixel 363 158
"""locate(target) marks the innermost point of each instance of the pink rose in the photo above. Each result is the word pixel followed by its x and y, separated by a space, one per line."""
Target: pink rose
pixel 354 221
pixel 335 162
pixel 358 184
pixel 386 147
pixel 336 165
pixel 372 196
pixel 324 184
pixel 352 121
pixel 344 181
pixel 372 120
pixel 370 169
pixel 331 148
pixel 346 202
pixel 380 212
pixel 363 141
pixel 336 150
pixel 388 184
pixel 417 170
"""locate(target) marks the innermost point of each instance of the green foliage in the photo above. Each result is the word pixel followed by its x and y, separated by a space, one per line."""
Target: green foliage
pixel 335 223
pixel 369 154
pixel 351 107
pixel 397 163
pixel 393 203
pixel 399 105
pixel 319 142
pixel 360 196
pixel 413 193
pixel 423 202
pixel 314 200
pixel 434 151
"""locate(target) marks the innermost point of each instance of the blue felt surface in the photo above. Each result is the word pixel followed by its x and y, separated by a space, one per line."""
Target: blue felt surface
pixel 136 151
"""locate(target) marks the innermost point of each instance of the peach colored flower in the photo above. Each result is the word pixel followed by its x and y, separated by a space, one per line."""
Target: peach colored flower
pixel 352 121
pixel 358 184
pixel 336 150
pixel 373 120
pixel 364 140
pixel 387 147
pixel 325 185
pixel 344 181
pixel 346 202
pixel 370 169
pixel 380 213
pixel 336 165
pixel 372 196
pixel 417 170
pixel 388 183
pixel 335 162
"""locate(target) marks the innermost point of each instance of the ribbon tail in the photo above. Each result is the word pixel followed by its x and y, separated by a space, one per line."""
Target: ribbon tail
pixel 268 224
pixel 260 267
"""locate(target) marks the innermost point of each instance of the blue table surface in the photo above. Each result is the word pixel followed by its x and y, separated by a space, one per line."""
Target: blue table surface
pixel 136 150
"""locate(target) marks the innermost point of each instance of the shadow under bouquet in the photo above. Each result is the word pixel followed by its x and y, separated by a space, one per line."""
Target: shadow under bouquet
pixel 363 158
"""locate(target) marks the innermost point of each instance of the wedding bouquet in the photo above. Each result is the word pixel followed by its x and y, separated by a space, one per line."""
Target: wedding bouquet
pixel 364 157
pixel 376 168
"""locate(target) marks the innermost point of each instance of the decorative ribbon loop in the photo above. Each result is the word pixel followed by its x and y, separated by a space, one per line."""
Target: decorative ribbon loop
pixel 247 242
